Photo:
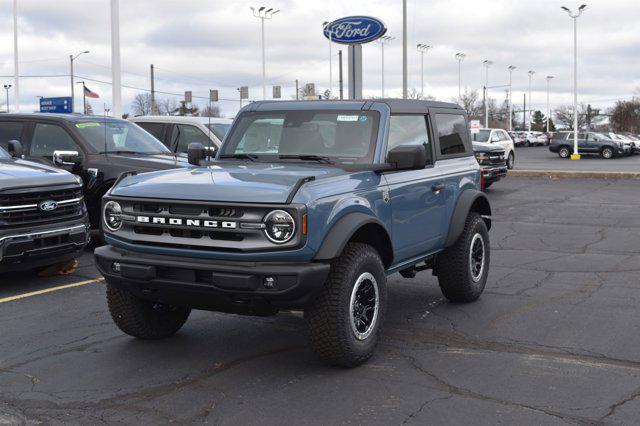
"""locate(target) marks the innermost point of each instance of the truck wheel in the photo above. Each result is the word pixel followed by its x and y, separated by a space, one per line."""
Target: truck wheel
pixel 511 161
pixel 345 322
pixel 141 318
pixel 463 267
pixel 607 152
pixel 563 152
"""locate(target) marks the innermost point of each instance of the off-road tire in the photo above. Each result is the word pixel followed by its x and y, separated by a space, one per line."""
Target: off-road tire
pixel 142 318
pixel 564 152
pixel 454 266
pixel 511 160
pixel 329 318
pixel 607 153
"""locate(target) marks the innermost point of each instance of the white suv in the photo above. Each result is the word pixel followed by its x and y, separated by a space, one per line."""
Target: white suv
pixel 500 138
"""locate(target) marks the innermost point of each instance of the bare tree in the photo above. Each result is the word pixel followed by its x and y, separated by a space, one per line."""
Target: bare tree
pixel 141 104
pixel 414 93
pixel 564 116
pixel 210 111
pixel 469 100
pixel 625 116
pixel 166 106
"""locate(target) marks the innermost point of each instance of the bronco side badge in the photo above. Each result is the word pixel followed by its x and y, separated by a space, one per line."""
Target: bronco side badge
pixel 385 196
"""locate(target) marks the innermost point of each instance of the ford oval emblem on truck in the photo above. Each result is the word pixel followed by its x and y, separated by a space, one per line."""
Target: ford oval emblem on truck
pixel 48 205
pixel 355 29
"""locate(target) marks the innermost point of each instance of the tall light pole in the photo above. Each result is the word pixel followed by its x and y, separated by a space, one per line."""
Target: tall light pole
pixel 511 68
pixel 404 49
pixel 71 59
pixel 263 14
pixel 422 48
pixel 575 16
pixel 460 57
pixel 531 73
pixel 7 87
pixel 486 63
pixel 549 78
pixel 116 76
pixel 384 40
pixel 330 31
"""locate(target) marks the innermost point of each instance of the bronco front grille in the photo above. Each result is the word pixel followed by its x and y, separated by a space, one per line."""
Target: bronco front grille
pixel 19 209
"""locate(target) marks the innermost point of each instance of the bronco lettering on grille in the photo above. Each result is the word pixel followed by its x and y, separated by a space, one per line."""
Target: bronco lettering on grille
pixel 197 223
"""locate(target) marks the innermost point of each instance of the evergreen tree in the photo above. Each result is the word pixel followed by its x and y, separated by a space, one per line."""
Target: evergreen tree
pixel 538 122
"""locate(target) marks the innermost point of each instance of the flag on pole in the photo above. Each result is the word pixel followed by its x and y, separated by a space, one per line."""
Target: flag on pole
pixel 89 94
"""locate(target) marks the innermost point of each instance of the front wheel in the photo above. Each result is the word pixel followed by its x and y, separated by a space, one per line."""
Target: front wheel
pixel 463 268
pixel 607 153
pixel 345 322
pixel 511 161
pixel 563 152
pixel 142 318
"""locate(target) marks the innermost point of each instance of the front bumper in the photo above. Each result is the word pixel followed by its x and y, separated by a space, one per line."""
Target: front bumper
pixel 20 250
pixel 215 285
pixel 493 173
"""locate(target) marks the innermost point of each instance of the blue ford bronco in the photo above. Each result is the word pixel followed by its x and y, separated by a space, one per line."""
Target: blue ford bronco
pixel 307 205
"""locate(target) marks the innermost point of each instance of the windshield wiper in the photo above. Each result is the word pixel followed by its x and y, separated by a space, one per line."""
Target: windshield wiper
pixel 242 156
pixel 306 157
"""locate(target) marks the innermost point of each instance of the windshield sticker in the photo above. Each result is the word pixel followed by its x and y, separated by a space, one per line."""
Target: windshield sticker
pixel 89 124
pixel 347 118
pixel 363 118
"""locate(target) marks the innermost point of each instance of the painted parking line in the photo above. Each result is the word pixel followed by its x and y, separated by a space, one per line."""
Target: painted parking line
pixel 50 290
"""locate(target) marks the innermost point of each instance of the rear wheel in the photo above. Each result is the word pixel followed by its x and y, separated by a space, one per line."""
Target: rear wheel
pixel 345 322
pixel 606 152
pixel 564 152
pixel 142 318
pixel 463 268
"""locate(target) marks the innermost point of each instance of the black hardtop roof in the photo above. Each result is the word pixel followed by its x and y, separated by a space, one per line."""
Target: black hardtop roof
pixel 406 106
pixel 72 118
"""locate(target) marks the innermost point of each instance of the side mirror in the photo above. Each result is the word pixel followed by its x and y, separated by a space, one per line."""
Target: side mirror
pixel 14 148
pixel 408 157
pixel 66 158
pixel 196 152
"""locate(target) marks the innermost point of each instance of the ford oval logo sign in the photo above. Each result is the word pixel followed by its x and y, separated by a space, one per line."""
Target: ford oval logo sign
pixel 354 29
pixel 48 205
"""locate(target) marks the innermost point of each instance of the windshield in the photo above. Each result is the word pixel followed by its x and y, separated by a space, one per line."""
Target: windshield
pixel 4 155
pixel 345 137
pixel 481 136
pixel 119 137
pixel 219 129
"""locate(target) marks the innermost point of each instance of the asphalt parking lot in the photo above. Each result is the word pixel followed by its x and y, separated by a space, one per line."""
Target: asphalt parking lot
pixel 552 340
pixel 540 158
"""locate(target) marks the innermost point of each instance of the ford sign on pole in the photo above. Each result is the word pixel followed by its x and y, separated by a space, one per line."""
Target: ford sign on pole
pixel 355 30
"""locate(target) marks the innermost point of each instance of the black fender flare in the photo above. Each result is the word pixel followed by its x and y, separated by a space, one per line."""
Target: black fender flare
pixel 470 198
pixel 342 231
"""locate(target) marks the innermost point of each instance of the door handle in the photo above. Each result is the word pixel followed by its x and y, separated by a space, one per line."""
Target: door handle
pixel 437 187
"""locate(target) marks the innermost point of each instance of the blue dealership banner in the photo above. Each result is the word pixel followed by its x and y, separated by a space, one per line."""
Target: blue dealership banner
pixel 355 30
pixel 62 105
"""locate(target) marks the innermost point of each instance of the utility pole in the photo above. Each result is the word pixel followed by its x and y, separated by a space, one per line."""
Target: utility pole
pixel 404 49
pixel 487 63
pixel 549 77
pixel 153 93
pixel 325 27
pixel 524 110
pixel 460 57
pixel 71 59
pixel 511 68
pixel 6 88
pixel 16 77
pixel 297 91
pixel 263 14
pixel 116 86
pixel 340 72
pixel 384 40
pixel 422 48
pixel 531 73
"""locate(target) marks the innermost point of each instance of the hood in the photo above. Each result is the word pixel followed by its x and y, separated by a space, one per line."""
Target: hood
pixel 144 163
pixel 486 147
pixel 235 182
pixel 21 173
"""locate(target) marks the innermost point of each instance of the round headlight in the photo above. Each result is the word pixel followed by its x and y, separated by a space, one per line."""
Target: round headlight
pixel 112 216
pixel 279 226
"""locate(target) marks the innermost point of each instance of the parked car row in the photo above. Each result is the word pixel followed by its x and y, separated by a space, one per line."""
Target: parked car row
pixel 524 138
pixel 590 143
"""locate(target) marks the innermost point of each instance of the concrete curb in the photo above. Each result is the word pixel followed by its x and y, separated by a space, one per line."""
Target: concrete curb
pixel 575 174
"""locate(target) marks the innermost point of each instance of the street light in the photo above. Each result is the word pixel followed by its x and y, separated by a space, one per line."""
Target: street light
pixel 460 57
pixel 71 59
pixel 263 14
pixel 511 68
pixel 7 87
pixel 384 40
pixel 575 17
pixel 531 73
pixel 487 63
pixel 549 78
pixel 422 48
pixel 330 31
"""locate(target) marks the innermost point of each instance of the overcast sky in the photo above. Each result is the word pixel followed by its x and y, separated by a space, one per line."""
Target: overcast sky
pixel 201 44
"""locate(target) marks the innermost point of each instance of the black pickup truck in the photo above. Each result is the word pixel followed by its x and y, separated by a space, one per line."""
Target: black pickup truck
pixel 43 219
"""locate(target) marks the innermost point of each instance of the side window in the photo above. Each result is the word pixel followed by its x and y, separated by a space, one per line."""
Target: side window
pixel 48 138
pixel 451 131
pixel 505 136
pixel 409 130
pixel 156 129
pixel 10 130
pixel 184 134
